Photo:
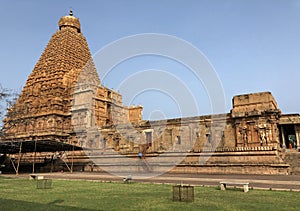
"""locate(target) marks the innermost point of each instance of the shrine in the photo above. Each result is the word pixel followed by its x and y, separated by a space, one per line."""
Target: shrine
pixel 66 119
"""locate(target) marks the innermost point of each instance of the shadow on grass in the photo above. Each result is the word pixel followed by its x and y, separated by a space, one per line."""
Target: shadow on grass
pixel 8 204
pixel 56 202
pixel 4 177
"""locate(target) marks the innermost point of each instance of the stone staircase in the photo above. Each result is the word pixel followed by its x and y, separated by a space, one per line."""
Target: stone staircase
pixel 292 157
pixel 235 161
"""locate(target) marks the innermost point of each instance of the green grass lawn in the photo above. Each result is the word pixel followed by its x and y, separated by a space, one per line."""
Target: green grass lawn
pixel 22 194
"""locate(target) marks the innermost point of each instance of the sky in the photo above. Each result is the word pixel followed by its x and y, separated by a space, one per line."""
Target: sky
pixel 252 45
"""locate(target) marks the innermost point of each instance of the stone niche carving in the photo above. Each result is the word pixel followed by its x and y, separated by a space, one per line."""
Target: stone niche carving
pixel 255 118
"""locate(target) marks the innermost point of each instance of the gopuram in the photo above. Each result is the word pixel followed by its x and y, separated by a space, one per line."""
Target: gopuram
pixel 64 119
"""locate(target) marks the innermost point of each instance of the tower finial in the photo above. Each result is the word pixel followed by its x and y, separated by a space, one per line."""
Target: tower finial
pixel 69 21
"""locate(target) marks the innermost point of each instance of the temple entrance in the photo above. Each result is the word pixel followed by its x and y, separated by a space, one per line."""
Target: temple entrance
pixel 288 136
pixel 149 138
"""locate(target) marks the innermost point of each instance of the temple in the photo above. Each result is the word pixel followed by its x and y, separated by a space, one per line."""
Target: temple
pixel 65 119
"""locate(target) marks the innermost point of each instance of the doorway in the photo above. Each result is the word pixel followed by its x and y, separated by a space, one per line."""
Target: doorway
pixel 288 136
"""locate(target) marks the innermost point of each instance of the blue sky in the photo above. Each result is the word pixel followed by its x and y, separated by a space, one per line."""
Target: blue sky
pixel 253 45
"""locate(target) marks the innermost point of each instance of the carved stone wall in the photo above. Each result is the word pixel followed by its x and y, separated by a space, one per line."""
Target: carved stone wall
pixel 255 118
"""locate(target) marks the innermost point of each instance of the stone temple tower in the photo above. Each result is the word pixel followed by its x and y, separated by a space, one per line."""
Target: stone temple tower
pixel 44 109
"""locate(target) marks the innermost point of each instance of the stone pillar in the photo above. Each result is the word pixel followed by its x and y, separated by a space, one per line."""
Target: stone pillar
pixel 297 132
pixel 191 135
pixel 282 137
pixel 237 137
pixel 275 134
pixel 252 131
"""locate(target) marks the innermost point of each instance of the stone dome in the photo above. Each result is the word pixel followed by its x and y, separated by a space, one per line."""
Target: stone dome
pixel 69 21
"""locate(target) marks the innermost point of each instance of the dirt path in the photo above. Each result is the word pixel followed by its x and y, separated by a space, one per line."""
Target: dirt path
pixel 275 182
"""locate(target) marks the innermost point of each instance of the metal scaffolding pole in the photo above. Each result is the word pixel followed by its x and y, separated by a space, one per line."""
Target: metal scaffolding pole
pixel 62 158
pixel 19 159
pixel 34 156
pixel 72 159
pixel 13 164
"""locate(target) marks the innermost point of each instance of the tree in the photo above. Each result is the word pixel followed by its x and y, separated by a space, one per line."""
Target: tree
pixel 8 98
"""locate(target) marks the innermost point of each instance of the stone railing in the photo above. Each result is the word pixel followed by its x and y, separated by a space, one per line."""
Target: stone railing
pixel 238 149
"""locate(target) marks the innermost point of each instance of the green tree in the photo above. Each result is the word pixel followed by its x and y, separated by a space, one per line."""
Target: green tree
pixel 8 98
